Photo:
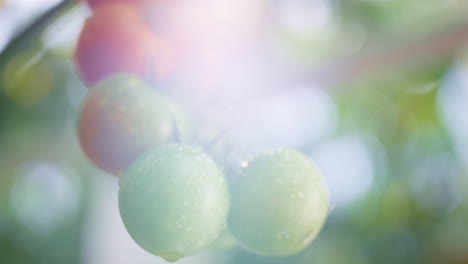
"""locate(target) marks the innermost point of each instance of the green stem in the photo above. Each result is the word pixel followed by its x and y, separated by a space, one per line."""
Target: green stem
pixel 35 29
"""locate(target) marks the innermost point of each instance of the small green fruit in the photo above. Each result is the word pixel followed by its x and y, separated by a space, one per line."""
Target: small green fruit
pixel 279 204
pixel 174 201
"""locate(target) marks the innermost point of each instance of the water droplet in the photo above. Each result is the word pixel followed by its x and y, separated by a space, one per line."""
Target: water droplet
pixel 244 164
pixel 224 226
pixel 308 237
pixel 282 235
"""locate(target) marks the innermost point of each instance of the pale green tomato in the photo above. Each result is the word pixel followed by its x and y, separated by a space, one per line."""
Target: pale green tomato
pixel 122 117
pixel 279 204
pixel 174 201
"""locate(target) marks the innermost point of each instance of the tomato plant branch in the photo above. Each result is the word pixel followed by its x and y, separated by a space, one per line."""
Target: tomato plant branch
pixel 30 33
pixel 409 54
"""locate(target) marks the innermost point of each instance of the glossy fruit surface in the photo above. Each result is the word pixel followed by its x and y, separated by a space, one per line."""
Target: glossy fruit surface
pixel 121 118
pixel 174 201
pixel 279 204
pixel 116 40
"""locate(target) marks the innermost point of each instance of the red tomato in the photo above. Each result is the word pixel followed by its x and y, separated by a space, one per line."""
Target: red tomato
pixel 95 3
pixel 116 40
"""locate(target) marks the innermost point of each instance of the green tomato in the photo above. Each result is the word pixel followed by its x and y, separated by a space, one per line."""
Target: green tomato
pixel 279 204
pixel 174 201
pixel 121 118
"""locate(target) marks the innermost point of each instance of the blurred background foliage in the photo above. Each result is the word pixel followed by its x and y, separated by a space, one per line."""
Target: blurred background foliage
pixel 389 131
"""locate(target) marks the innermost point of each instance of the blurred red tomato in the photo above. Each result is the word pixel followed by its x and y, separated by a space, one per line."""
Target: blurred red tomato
pixel 95 3
pixel 116 40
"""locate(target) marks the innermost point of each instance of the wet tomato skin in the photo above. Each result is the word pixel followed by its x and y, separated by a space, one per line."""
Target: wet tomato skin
pixel 174 201
pixel 279 203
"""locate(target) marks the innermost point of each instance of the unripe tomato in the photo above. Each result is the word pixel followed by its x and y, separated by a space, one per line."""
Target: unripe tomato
pixel 174 201
pixel 121 118
pixel 116 40
pixel 279 204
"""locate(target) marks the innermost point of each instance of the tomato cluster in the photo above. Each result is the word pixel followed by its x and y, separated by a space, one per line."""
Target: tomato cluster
pixel 174 199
